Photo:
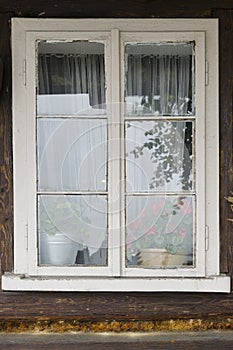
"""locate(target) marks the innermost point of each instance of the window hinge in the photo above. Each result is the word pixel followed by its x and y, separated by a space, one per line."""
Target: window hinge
pixel 26 237
pixel 206 73
pixel 24 73
pixel 207 238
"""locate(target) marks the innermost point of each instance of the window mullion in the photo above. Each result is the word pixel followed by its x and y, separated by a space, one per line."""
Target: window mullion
pixel 114 182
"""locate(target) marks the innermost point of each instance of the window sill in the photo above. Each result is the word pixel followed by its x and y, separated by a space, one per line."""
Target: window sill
pixel 13 282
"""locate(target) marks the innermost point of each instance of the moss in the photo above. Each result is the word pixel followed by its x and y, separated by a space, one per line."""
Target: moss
pixel 63 326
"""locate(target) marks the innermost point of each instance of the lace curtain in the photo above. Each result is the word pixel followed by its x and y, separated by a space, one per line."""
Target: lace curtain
pixel 72 153
pixel 73 74
pixel 163 82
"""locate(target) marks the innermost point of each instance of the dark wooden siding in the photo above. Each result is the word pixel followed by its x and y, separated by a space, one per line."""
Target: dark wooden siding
pixel 6 181
pixel 117 306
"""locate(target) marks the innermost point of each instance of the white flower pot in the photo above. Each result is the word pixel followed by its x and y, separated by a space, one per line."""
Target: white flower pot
pixel 57 249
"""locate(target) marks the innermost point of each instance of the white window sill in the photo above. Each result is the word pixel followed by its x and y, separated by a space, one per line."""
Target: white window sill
pixel 12 282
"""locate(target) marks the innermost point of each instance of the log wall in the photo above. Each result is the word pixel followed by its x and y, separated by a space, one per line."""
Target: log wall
pixel 117 306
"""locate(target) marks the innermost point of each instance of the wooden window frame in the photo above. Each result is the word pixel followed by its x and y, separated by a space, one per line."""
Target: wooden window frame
pixel 23 278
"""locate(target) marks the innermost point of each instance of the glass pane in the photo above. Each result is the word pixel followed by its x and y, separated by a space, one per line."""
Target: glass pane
pixel 72 230
pixel 159 79
pixel 159 231
pixel 71 78
pixel 72 154
pixel 159 156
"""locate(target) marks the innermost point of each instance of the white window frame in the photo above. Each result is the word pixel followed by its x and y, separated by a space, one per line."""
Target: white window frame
pixel 27 275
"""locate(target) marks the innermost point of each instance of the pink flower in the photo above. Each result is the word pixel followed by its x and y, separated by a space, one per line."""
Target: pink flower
pixel 150 231
pixel 157 207
pixel 135 225
pixel 182 234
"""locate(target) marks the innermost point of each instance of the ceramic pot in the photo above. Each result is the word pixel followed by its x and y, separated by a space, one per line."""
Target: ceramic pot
pixel 57 249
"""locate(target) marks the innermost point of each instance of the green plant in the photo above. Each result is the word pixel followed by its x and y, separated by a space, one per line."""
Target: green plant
pixel 62 214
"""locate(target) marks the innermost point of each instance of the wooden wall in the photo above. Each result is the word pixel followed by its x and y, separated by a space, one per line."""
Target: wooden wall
pixel 117 306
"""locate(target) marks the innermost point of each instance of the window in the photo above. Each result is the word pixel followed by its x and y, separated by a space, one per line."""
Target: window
pixel 116 155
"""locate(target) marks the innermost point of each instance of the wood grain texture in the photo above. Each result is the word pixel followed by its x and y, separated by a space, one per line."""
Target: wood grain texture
pixel 111 8
pixel 114 306
pixel 6 190
pixel 226 135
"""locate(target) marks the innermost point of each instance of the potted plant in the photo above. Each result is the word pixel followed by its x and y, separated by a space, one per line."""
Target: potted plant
pixel 59 220
pixel 162 233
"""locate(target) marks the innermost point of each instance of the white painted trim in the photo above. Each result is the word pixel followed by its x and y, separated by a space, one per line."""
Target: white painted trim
pixel 212 152
pixel 74 271
pixel 101 24
pixel 219 284
pixel 19 148
pixel 114 156
pixel 199 144
pixel 31 151
pixel 68 29
pixel 199 150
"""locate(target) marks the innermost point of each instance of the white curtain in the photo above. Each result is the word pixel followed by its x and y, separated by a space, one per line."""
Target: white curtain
pixel 73 74
pixel 159 153
pixel 163 83
pixel 71 152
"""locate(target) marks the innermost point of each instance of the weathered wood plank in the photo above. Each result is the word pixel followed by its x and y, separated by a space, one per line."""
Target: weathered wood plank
pixel 111 8
pixel 6 189
pixel 114 306
pixel 226 135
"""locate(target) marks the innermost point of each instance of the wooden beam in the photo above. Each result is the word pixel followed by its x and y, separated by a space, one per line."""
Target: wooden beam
pixel 111 8
pixel 226 136
pixel 6 187
pixel 114 306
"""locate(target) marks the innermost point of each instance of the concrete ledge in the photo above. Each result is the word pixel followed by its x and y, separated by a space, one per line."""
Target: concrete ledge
pixel 90 341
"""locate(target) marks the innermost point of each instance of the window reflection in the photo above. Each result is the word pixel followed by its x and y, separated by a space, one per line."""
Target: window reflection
pixel 159 156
